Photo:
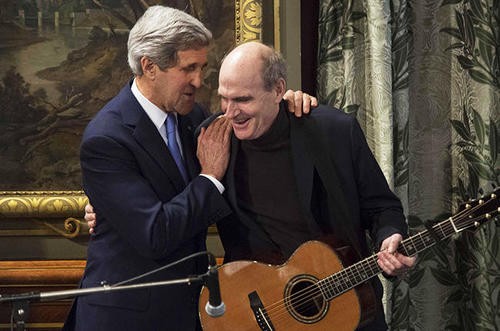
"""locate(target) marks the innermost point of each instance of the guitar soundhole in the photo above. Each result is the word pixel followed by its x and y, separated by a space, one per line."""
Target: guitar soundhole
pixel 304 300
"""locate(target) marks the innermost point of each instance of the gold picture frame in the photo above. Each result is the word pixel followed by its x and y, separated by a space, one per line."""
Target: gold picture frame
pixel 25 213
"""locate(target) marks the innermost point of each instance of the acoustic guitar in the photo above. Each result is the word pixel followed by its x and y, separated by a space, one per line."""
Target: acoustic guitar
pixel 312 290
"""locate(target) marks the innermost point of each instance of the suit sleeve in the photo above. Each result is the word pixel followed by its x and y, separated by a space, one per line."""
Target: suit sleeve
pixel 126 202
pixel 381 210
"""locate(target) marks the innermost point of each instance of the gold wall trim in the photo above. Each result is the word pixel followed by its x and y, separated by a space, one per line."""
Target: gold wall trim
pixel 44 213
pixel 248 20
pixel 276 11
pixel 41 204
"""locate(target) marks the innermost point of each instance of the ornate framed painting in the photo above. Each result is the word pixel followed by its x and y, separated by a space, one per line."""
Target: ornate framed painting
pixel 61 61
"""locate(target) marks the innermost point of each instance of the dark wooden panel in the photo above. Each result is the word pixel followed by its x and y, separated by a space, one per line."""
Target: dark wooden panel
pixel 39 276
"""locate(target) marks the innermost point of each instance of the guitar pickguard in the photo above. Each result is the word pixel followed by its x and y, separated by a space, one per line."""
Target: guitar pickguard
pixel 260 312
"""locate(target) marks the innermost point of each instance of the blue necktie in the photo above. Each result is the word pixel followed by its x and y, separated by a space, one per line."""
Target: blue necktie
pixel 173 146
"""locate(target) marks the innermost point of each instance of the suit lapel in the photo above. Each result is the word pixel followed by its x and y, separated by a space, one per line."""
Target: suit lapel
pixel 319 155
pixel 148 137
pixel 303 166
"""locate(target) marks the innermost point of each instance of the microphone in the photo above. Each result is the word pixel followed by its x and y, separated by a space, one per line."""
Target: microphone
pixel 215 307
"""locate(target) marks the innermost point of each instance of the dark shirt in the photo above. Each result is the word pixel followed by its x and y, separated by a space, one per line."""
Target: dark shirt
pixel 264 180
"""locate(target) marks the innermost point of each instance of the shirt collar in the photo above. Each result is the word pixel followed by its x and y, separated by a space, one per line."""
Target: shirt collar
pixel 156 115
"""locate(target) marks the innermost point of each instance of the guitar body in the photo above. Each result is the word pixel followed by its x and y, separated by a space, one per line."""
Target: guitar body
pixel 243 283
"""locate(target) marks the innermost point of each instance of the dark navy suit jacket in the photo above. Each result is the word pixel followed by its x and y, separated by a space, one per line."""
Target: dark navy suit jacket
pixel 147 218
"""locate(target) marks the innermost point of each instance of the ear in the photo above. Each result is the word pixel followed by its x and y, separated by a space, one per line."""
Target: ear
pixel 148 67
pixel 280 89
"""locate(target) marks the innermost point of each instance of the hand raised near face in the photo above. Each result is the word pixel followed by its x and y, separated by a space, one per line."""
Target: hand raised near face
pixel 213 147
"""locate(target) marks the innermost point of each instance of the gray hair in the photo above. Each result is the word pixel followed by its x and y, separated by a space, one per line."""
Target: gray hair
pixel 273 68
pixel 160 33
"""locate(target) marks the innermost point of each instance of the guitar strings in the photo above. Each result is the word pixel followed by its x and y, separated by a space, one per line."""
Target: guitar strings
pixel 303 299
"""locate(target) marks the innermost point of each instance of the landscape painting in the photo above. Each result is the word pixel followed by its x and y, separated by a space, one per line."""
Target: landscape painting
pixel 61 61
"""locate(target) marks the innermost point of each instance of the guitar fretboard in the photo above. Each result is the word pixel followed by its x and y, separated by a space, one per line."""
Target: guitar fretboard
pixel 342 281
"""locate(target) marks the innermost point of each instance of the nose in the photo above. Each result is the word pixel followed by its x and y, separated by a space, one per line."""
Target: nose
pixel 197 78
pixel 231 109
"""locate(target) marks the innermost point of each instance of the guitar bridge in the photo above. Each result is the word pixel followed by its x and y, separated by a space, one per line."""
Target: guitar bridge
pixel 260 312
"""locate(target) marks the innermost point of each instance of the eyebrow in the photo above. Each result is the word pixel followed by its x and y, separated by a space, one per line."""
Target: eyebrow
pixel 194 65
pixel 241 98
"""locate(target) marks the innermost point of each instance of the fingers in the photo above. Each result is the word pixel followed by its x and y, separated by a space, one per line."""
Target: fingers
pixel 289 97
pixel 299 101
pixel 91 225
pixel 314 101
pixel 220 128
pixel 389 263
pixel 213 147
pixel 90 217
pixel 89 208
pixel 391 243
pixel 294 102
pixel 390 260
pixel 223 126
pixel 395 264
pixel 308 102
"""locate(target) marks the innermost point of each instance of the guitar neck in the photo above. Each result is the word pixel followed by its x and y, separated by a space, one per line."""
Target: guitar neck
pixel 348 278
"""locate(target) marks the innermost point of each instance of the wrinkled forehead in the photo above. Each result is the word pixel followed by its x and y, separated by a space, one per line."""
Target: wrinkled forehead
pixel 240 75
pixel 234 84
pixel 191 56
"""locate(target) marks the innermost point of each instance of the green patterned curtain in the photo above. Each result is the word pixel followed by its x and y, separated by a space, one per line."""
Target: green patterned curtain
pixel 423 77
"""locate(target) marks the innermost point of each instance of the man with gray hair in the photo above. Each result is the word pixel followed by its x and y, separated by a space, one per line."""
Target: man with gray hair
pixel 155 196
pixel 154 207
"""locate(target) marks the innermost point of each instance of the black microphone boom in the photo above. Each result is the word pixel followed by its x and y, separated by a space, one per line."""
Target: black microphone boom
pixel 215 307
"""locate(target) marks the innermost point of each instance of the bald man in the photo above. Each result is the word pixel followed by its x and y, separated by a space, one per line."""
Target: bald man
pixel 290 180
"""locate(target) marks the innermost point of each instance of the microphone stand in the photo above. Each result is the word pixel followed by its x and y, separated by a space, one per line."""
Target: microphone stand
pixel 20 302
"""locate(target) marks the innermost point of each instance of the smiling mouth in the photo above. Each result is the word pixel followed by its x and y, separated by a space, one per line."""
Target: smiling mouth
pixel 240 121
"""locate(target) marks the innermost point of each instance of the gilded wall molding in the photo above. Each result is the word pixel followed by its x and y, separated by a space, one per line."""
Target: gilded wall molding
pixel 47 212
pixel 17 204
pixel 248 20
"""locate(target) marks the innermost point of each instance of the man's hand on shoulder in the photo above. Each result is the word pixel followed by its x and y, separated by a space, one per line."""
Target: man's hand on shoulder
pixel 299 102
